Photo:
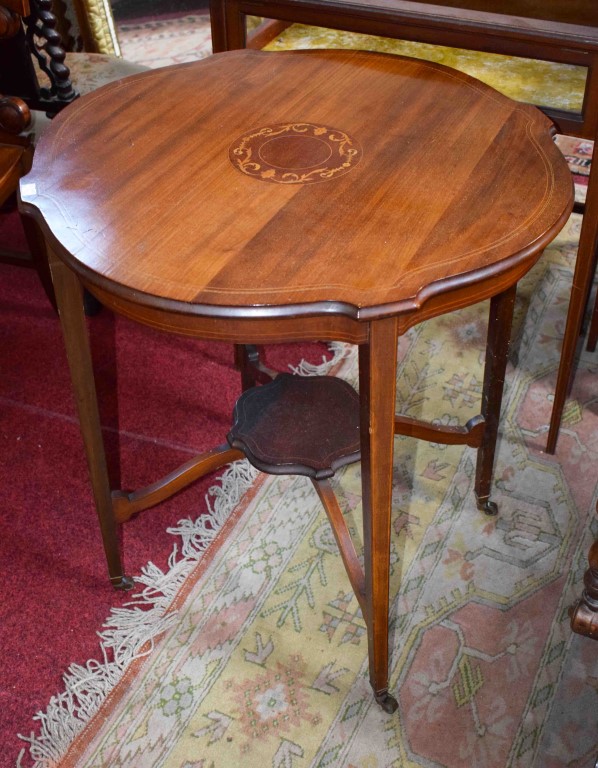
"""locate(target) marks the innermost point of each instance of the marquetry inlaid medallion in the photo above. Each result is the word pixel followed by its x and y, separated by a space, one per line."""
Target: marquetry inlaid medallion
pixel 295 153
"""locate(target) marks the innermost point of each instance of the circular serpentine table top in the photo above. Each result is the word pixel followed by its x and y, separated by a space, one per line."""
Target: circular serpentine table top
pixel 261 185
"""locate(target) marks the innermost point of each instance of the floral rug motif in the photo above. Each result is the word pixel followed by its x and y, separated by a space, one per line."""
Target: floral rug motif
pixel 263 659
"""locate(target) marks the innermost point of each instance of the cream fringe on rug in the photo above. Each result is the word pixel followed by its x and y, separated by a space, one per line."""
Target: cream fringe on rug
pixel 129 632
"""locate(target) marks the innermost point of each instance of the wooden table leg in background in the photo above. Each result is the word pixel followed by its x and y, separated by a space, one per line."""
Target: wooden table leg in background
pixel 69 298
pixel 500 322
pixel 582 281
pixel 584 617
pixel 377 385
pixel 229 29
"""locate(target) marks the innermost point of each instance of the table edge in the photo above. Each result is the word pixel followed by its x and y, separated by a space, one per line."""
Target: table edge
pixel 517 264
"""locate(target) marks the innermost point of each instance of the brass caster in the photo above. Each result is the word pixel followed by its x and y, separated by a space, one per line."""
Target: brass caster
pixel 488 507
pixel 122 583
pixel 387 702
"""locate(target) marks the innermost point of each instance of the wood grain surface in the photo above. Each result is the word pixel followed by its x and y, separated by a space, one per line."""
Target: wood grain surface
pixel 546 12
pixel 455 184
pixel 562 11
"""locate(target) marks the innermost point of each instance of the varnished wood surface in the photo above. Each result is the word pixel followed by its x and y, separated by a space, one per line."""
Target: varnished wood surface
pixel 557 30
pixel 139 194
pixel 584 617
pixel 13 162
pixel 10 23
pixel 559 17
pixel 298 425
pixel 21 7
pixel 560 11
pixel 553 30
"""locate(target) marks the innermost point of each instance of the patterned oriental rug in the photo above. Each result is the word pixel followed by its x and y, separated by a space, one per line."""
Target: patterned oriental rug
pixel 159 42
pixel 252 649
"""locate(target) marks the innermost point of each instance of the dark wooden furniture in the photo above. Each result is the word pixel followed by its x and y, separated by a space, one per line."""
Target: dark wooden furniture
pixel 298 196
pixel 14 162
pixel 35 37
pixel 15 150
pixel 584 616
pixel 553 30
pixel 27 29
pixel 593 330
pixel 15 115
pixel 34 72
pixel 19 93
pixel 298 426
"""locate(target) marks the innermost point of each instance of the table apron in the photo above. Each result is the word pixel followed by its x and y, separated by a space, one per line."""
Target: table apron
pixel 320 327
pixel 317 327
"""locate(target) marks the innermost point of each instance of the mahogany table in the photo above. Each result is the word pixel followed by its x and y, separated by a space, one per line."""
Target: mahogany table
pixel 563 31
pixel 256 197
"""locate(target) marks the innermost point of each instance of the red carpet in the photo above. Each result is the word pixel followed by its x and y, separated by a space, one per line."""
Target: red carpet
pixel 175 397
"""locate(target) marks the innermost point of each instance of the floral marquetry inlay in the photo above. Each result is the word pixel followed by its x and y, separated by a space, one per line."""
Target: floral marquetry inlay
pixel 295 153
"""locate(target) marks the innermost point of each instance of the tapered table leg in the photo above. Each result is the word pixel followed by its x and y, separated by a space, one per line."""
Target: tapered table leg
pixel 500 322
pixel 593 332
pixel 69 298
pixel 582 279
pixel 245 357
pixel 377 383
pixel 250 366
pixel 37 247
